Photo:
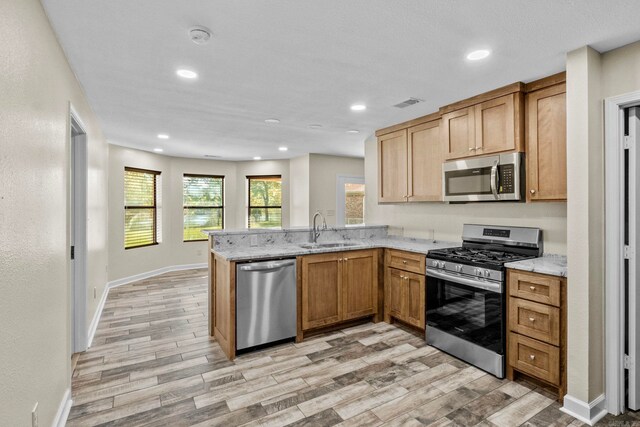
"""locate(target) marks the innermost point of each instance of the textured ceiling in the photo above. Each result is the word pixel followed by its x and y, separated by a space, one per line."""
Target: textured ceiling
pixel 306 61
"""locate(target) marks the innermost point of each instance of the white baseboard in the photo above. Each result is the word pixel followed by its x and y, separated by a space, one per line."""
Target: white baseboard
pixel 589 413
pixel 96 316
pixel 146 275
pixel 63 410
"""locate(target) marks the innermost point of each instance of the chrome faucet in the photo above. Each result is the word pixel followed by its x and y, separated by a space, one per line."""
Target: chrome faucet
pixel 316 229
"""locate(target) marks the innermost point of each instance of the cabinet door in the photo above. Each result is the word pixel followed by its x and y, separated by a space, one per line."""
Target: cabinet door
pixel 321 284
pixel 547 144
pixel 425 162
pixel 392 167
pixel 394 292
pixel 458 133
pixel 414 313
pixel 360 284
pixel 495 125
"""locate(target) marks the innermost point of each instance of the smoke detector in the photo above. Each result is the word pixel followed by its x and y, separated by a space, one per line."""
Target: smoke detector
pixel 199 35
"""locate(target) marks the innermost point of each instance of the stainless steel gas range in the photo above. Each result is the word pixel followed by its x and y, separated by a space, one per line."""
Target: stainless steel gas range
pixel 466 292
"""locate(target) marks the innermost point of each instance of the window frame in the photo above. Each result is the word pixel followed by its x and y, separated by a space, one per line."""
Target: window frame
pixel 154 207
pixel 249 206
pixel 195 175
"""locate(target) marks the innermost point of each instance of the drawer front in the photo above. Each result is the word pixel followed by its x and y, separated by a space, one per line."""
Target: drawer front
pixel 406 261
pixel 535 320
pixel 535 287
pixel 534 358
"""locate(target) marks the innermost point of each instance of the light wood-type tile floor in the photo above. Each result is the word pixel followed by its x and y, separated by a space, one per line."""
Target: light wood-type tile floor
pixel 152 363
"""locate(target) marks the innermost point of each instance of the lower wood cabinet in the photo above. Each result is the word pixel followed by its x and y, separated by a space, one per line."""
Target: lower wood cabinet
pixel 404 297
pixel 536 328
pixel 338 286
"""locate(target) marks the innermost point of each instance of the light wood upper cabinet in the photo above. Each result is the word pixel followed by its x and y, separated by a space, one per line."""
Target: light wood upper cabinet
pixel 410 164
pixel 496 123
pixel 392 167
pixel 547 144
pixel 338 286
pixel 425 162
pixel 458 133
pixel 491 126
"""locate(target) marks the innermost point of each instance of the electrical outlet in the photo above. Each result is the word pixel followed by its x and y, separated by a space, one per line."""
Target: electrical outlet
pixel 95 292
pixel 254 240
pixel 34 416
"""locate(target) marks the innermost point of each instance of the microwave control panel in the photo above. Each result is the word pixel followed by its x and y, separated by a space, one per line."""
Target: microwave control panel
pixel 506 179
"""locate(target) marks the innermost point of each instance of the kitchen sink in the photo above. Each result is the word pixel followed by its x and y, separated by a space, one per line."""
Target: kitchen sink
pixel 329 245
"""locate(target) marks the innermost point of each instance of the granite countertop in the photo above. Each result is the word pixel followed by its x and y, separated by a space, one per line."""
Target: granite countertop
pixel 247 253
pixel 555 265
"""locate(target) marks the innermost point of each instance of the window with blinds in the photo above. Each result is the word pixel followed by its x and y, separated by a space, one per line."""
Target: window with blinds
pixel 265 201
pixel 203 205
pixel 140 207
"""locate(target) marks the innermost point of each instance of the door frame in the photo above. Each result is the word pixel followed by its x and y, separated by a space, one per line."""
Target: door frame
pixel 341 180
pixel 614 241
pixel 77 217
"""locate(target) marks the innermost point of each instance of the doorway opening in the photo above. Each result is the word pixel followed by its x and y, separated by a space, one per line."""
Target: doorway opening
pixel 78 233
pixel 622 255
pixel 350 200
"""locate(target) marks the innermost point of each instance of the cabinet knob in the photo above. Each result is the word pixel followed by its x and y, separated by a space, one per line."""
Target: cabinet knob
pixel 532 319
pixel 346 259
pixel 533 288
pixel 404 261
pixel 532 357
pixel 471 149
pixel 532 191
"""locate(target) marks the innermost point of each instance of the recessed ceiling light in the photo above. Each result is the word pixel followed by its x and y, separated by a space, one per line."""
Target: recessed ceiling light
pixel 353 131
pixel 282 148
pixel 158 150
pixel 187 74
pixel 478 54
pixel 358 107
pixel 257 158
pixel 315 126
pixel 163 136
pixel 272 121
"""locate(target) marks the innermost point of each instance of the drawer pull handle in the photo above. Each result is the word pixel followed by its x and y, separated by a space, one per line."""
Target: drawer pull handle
pixel 532 319
pixel 533 288
pixel 346 259
pixel 532 357
pixel 404 261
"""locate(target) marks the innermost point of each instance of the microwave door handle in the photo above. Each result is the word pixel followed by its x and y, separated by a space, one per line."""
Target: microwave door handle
pixel 494 180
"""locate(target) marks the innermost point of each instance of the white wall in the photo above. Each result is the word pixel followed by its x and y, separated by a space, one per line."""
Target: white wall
pixel 591 77
pixel 323 171
pixel 444 221
pixel 36 87
pixel 299 194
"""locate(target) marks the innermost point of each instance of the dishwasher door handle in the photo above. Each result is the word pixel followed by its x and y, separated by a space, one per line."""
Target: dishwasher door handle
pixel 267 266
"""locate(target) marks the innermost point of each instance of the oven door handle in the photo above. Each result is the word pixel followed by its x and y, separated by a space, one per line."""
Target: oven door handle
pixel 484 285
pixel 494 180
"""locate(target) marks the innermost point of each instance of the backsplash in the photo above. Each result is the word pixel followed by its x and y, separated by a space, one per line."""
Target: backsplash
pixel 223 240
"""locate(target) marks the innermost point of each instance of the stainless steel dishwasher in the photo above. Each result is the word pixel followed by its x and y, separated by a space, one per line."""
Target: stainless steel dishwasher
pixel 265 302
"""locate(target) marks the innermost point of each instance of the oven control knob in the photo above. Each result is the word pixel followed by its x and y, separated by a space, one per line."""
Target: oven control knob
pixel 441 264
pixel 459 268
pixel 477 272
pixel 434 263
pixel 487 273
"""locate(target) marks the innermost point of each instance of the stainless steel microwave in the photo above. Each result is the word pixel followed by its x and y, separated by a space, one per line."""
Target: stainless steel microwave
pixel 484 179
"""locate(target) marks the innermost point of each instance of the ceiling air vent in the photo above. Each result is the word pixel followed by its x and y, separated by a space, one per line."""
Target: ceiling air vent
pixel 212 156
pixel 409 102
